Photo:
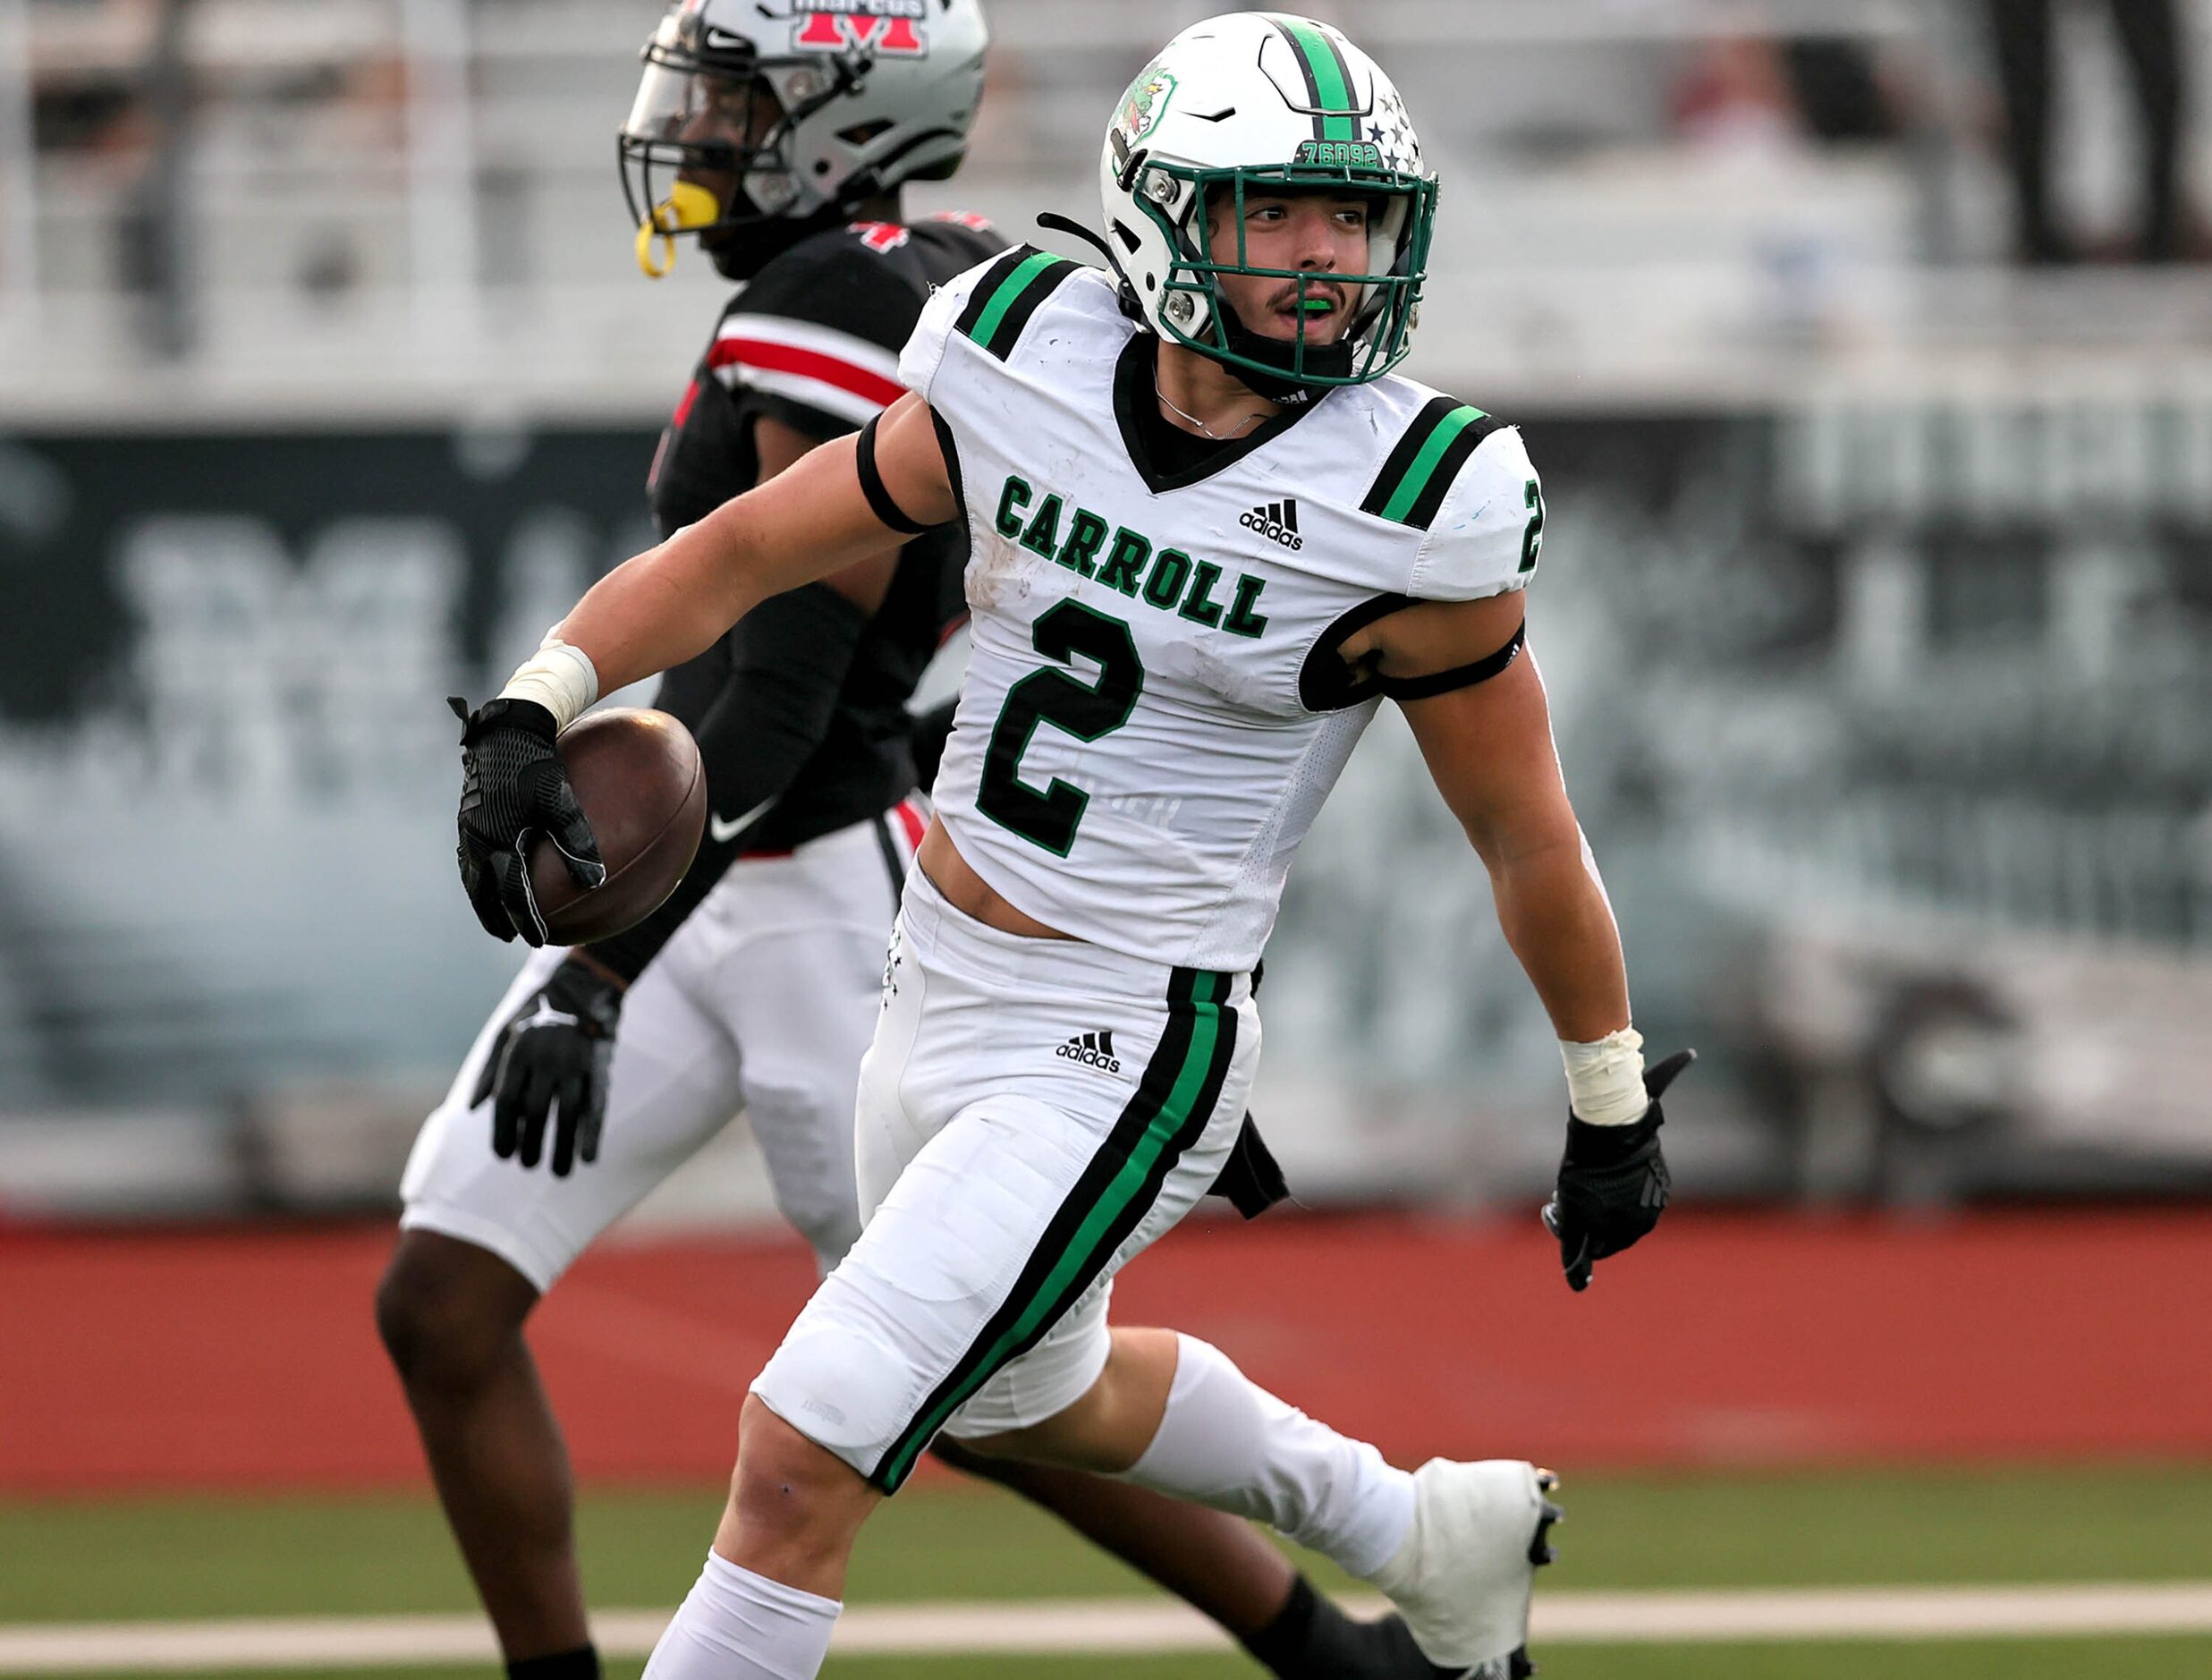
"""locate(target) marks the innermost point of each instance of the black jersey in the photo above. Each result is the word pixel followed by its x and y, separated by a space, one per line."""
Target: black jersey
pixel 813 341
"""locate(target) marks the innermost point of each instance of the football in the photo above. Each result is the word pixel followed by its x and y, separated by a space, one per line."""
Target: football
pixel 638 776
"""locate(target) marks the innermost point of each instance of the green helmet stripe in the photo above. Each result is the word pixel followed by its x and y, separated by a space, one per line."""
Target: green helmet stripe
pixel 1332 84
pixel 1432 451
pixel 1009 288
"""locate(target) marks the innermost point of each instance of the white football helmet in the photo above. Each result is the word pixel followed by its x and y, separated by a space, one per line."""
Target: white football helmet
pixel 799 111
pixel 1261 101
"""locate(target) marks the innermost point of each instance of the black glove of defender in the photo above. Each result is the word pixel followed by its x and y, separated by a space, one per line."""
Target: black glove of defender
pixel 1612 1183
pixel 554 1050
pixel 512 787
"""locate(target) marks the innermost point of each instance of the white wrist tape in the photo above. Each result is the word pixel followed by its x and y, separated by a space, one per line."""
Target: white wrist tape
pixel 1606 1080
pixel 560 678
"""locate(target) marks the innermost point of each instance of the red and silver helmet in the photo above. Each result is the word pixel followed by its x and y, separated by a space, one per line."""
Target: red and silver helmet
pixel 760 121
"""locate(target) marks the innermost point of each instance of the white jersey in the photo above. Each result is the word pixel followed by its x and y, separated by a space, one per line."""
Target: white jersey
pixel 1154 709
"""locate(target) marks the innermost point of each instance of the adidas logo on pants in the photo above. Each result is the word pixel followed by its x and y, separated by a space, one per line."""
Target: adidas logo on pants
pixel 1093 1050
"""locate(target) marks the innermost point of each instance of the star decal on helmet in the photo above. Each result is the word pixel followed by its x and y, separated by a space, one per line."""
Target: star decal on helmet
pixel 1392 130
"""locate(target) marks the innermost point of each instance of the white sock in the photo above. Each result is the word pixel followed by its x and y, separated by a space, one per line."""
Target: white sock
pixel 1226 1442
pixel 737 1626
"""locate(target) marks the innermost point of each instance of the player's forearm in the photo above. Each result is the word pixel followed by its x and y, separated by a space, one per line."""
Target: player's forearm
pixel 676 599
pixel 1553 910
pixel 671 602
pixel 664 606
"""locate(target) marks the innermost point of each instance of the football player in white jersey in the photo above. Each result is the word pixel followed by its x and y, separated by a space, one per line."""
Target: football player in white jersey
pixel 756 985
pixel 1211 532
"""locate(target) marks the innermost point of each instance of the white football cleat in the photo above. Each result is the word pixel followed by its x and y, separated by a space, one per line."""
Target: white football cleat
pixel 1465 1575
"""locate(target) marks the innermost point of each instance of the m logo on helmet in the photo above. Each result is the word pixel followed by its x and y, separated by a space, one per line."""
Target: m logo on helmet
pixel 1146 104
pixel 888 26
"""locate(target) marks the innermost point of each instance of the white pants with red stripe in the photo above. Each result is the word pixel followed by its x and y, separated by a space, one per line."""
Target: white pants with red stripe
pixel 762 1002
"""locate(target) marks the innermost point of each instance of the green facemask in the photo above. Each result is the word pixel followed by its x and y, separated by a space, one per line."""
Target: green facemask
pixel 1375 338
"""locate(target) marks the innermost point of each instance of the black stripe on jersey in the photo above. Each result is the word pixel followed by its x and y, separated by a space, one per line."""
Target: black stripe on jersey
pixel 1006 297
pixel 1401 459
pixel 1423 511
pixel 987 288
pixel 1025 305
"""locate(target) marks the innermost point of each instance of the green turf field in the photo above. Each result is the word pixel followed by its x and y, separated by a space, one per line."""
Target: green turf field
pixel 90 1562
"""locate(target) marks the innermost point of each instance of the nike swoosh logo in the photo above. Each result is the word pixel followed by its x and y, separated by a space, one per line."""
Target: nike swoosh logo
pixel 725 832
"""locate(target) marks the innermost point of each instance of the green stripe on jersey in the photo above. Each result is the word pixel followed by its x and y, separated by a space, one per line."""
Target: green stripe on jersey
pixel 1010 289
pixel 1416 479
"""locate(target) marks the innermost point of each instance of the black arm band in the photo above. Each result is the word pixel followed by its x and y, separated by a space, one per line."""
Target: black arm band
pixel 1407 688
pixel 872 486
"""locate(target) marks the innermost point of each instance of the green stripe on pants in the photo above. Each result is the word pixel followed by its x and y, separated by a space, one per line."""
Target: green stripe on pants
pixel 1077 1260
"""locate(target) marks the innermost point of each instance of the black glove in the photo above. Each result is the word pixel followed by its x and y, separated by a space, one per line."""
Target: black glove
pixel 513 786
pixel 1612 1183
pixel 554 1050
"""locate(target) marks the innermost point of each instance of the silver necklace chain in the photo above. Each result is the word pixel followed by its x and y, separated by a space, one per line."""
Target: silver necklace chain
pixel 1219 437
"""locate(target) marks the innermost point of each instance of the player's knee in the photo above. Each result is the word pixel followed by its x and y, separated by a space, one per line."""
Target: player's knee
pixel 794 1505
pixel 838 1384
pixel 448 1313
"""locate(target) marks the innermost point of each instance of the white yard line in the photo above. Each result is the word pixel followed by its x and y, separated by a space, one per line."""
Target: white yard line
pixel 1070 1627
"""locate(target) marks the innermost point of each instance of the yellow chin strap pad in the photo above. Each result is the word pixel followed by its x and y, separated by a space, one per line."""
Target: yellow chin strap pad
pixel 687 206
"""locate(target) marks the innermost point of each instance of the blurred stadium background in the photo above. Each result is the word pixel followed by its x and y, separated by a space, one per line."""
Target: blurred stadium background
pixel 1877 617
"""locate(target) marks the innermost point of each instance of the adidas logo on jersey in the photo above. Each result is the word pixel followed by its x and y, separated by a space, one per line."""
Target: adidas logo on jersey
pixel 1277 522
pixel 1092 1049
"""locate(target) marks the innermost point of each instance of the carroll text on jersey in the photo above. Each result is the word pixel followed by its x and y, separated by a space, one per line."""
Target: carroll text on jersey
pixel 1127 560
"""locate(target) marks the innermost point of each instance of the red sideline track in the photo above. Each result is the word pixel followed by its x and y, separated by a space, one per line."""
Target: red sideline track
pixel 247 1358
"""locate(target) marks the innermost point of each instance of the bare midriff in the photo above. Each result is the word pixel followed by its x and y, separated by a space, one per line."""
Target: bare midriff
pixel 968 893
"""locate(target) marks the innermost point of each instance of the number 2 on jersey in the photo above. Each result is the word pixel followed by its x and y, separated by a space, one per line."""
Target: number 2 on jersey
pixel 1085 710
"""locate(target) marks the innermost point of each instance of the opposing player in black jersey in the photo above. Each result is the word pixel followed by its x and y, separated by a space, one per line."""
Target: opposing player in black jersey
pixel 781 148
